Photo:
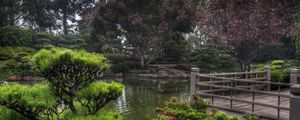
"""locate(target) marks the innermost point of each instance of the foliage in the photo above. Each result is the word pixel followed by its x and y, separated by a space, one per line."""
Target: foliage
pixel 119 68
pixel 101 115
pixel 209 58
pixel 42 39
pixel 193 110
pixel 14 36
pixel 34 102
pixel 40 102
pixel 16 62
pixel 277 64
pixel 277 75
pixel 76 41
pixel 248 28
pixel 8 114
pixel 133 64
pixel 116 58
pixel 283 51
pixel 72 76
pixel 250 117
pixel 14 52
pixel 143 28
pixel 98 94
pixel 69 71
pixel 118 63
pixel 67 10
pixel 9 9
pixel 39 14
pixel 280 70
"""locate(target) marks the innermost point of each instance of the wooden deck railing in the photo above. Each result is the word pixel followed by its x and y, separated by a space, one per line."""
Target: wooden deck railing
pixel 230 84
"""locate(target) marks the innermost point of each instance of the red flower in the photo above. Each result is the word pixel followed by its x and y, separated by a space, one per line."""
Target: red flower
pixel 172 118
pixel 165 113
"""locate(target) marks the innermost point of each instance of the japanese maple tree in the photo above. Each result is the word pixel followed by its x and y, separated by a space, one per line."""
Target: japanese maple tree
pixel 244 27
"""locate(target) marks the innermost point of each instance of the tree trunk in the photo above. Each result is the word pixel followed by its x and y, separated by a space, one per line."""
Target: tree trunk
pixel 65 22
pixel 72 106
pixel 142 60
pixel 245 67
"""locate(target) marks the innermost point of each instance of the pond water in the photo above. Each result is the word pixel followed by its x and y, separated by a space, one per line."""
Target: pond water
pixel 140 98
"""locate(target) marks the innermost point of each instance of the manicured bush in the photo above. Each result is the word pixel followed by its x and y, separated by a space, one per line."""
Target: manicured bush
pixel 19 62
pixel 250 117
pixel 89 96
pixel 72 76
pixel 13 52
pixel 69 41
pixel 101 115
pixel 115 58
pixel 278 62
pixel 119 68
pixel 15 36
pixel 42 39
pixel 33 102
pixel 6 53
pixel 280 70
pixel 9 114
pixel 63 67
pixel 196 109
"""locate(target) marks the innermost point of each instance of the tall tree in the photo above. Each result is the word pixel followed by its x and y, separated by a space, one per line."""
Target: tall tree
pixel 141 23
pixel 68 10
pixel 39 14
pixel 244 27
pixel 9 12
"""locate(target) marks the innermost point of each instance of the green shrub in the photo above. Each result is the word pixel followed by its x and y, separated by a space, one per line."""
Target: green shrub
pixel 196 109
pixel 89 96
pixel 19 62
pixel 43 35
pixel 115 58
pixel 119 68
pixel 13 52
pixel 133 64
pixel 69 41
pixel 277 75
pixel 8 114
pixel 280 70
pixel 15 36
pixel 32 101
pixel 101 115
pixel 278 62
pixel 250 117
pixel 72 76
pixel 6 53
pixel 260 67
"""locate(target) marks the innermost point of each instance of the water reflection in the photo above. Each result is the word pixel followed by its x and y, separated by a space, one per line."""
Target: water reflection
pixel 140 99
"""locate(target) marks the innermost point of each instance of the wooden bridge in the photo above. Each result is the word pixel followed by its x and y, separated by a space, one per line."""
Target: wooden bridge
pixel 247 92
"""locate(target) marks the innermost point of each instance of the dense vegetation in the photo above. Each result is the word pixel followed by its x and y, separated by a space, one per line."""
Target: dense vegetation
pixel 61 41
pixel 196 109
pixel 71 90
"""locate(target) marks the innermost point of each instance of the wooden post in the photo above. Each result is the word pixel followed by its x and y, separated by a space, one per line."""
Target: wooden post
pixel 295 102
pixel 194 73
pixel 294 76
pixel 267 70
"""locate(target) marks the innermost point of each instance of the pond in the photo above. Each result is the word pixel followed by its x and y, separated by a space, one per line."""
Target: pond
pixel 140 98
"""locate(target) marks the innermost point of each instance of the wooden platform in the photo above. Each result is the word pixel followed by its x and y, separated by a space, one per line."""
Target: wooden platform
pixel 265 112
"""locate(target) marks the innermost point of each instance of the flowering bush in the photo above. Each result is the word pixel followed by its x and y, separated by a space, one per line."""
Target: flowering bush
pixel 196 109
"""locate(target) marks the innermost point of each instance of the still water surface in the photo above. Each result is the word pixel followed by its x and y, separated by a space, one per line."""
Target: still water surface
pixel 140 99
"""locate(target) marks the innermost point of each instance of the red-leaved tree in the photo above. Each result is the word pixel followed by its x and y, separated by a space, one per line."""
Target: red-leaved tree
pixel 244 27
pixel 142 23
